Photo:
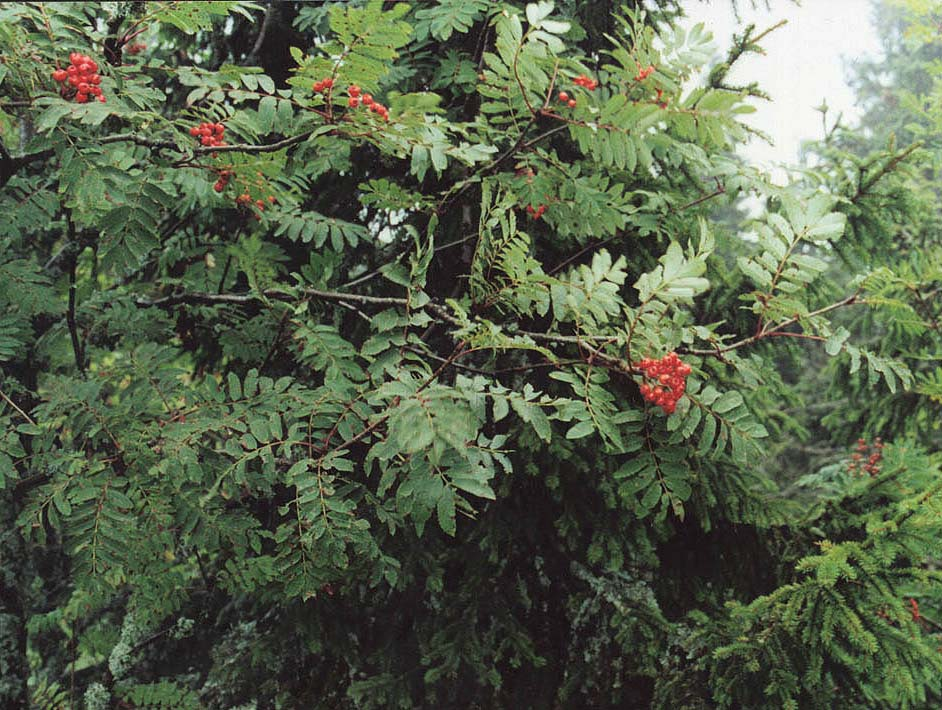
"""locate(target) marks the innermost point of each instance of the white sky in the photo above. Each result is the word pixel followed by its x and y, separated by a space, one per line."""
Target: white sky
pixel 805 62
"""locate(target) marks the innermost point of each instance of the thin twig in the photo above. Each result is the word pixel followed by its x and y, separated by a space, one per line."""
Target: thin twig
pixel 776 330
pixel 266 23
pixel 274 346
pixel 16 407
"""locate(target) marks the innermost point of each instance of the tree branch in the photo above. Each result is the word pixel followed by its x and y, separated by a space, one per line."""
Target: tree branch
pixel 70 315
pixel 776 331
pixel 15 406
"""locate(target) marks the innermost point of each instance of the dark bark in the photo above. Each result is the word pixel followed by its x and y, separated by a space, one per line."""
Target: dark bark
pixel 14 668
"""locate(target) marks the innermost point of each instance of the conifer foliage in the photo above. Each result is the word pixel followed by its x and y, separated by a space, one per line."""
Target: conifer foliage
pixel 366 354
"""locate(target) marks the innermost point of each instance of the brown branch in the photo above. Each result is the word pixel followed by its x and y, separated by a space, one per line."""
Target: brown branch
pixel 70 314
pixel 863 186
pixel 270 294
pixel 260 40
pixel 776 331
pixel 10 165
pixel 275 343
pixel 438 310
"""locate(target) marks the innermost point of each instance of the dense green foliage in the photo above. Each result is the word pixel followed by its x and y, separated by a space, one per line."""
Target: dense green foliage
pixel 348 412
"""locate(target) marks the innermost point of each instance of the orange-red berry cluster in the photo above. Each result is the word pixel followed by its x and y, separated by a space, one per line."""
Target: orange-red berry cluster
pixel 323 85
pixel 660 100
pixel 669 375
pixel 586 82
pixel 224 177
pixel 536 212
pixel 564 98
pixel 357 98
pixel 913 611
pixel 82 76
pixel 245 200
pixel 209 134
pixel 873 457
pixel 644 73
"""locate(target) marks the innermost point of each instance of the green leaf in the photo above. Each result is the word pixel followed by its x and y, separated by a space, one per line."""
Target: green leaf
pixel 580 430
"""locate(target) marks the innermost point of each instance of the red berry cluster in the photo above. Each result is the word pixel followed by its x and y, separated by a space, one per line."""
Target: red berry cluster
pixel 564 98
pixel 670 380
pixel 259 186
pixel 585 82
pixel 245 200
pixel 323 85
pixel 874 457
pixel 660 100
pixel 644 73
pixel 536 212
pixel 357 98
pixel 82 76
pixel 223 181
pixel 210 134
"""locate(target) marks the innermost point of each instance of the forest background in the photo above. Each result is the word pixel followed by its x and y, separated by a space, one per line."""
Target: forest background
pixel 368 354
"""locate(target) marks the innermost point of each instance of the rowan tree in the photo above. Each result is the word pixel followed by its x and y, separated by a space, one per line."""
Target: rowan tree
pixel 366 354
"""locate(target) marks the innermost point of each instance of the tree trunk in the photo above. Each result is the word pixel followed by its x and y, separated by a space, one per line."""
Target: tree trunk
pixel 14 668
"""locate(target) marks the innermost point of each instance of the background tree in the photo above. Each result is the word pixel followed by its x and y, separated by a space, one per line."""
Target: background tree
pixel 366 355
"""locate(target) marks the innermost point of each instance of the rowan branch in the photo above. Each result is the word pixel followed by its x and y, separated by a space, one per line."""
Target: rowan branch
pixel 777 330
pixel 77 350
pixel 15 406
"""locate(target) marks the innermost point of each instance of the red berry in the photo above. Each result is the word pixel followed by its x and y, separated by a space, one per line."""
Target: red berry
pixel 328 83
pixel 367 99
pixel 260 204
pixel 219 128
pixel 353 102
pixel 60 75
pixel 353 90
pixel 563 96
pixel 571 103
pixel 195 131
pixel 101 99
pixel 219 186
pixel 81 98
pixel 271 198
